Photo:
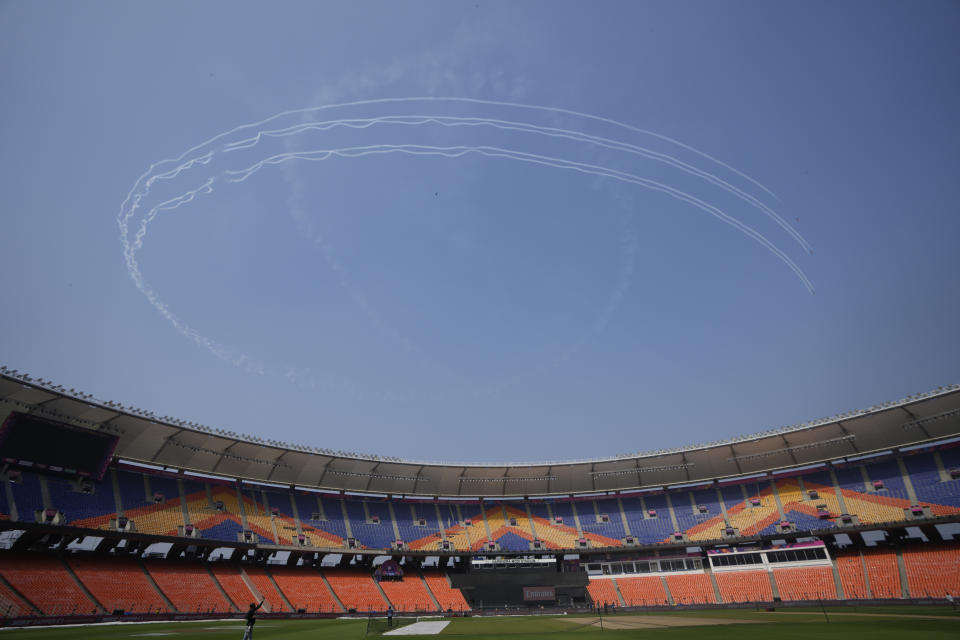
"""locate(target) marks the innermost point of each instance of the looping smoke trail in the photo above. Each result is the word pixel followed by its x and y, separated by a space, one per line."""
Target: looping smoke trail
pixel 507 125
pixel 170 170
pixel 590 169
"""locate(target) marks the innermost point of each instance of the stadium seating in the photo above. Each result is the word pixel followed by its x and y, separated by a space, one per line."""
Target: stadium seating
pixel 512 540
pixel 148 515
pixel 118 583
pixel 691 588
pixel 27 495
pixel 642 591
pixel 305 588
pixel 555 536
pixel 355 590
pixel 408 594
pixel 470 536
pixel 448 597
pixel 262 582
pixel 79 506
pixel 409 515
pixel 188 586
pixel 686 511
pixel 523 527
pixel 259 519
pixel 320 532
pixel 370 535
pixel 233 584
pixel 11 605
pixel 648 529
pixel 697 512
pixel 45 582
pixel 603 591
pixel 927 482
pixel 883 573
pixel 851 568
pixel 152 500
pixel 805 583
pixel 709 521
pixel 744 586
pixel 562 509
pixel 933 572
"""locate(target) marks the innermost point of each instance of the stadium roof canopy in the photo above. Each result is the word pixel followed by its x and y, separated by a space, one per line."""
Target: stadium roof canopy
pixel 189 447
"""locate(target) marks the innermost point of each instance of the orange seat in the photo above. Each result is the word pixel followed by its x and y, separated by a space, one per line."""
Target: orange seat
pixel 744 586
pixel 355 590
pixel 408 594
pixel 691 588
pixel 305 589
pixel 602 591
pixel 188 586
pixel 44 581
pixel 933 572
pixel 446 595
pixel 805 583
pixel 883 572
pixel 118 583
pixel 852 580
pixel 642 591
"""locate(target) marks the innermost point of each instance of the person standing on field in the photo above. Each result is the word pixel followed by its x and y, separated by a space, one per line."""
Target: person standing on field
pixel 251 620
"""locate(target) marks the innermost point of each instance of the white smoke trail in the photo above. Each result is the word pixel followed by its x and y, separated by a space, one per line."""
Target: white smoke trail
pixel 204 153
pixel 508 125
pixel 548 161
pixel 434 99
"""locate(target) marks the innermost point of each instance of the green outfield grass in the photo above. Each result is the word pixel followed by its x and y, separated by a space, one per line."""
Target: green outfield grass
pixel 807 624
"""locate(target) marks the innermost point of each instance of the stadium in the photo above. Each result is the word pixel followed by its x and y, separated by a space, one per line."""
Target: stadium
pixel 111 513
pixel 330 320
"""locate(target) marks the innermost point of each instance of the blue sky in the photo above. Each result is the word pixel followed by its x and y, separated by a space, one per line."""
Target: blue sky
pixel 485 307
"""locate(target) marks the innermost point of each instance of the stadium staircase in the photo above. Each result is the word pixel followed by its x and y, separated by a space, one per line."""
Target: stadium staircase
pixel 16 601
pixel 156 587
pixel 81 586
pixel 232 585
pixel 383 594
pixel 902 573
pixel 666 590
pixel 233 603
pixel 852 574
pixel 619 594
pixel 866 575
pixel 443 592
pixel 276 586
pixel 44 582
pixel 708 570
pixel 433 599
pixel 260 582
pixel 333 593
pixel 837 583
pixel 883 573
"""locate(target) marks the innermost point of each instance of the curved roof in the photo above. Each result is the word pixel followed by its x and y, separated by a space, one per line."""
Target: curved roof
pixel 165 441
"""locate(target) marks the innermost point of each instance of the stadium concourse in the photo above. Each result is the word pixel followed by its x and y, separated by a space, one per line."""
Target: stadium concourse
pixel 108 510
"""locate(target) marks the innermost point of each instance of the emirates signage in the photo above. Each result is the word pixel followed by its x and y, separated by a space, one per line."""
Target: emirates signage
pixel 532 594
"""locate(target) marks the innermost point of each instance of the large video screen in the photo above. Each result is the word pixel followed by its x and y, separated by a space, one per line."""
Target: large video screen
pixel 30 441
